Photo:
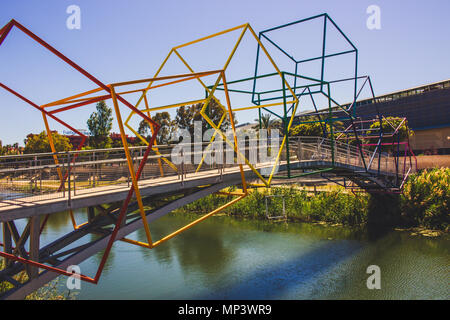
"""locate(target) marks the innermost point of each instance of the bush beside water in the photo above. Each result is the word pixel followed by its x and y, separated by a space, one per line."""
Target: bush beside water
pixel 426 199
pixel 333 207
pixel 424 203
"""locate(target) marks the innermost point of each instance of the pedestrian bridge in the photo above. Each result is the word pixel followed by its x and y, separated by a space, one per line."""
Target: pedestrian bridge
pixel 32 186
pixel 99 180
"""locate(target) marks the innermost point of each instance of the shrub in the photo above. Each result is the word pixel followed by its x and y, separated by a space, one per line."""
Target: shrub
pixel 426 198
pixel 333 207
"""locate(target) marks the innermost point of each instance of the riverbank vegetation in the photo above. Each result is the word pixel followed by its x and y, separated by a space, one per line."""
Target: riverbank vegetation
pixel 424 203
pixel 333 207
pixel 425 200
pixel 50 291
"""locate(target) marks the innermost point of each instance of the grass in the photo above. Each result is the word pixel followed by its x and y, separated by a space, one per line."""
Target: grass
pixel 435 161
pixel 424 203
pixel 334 206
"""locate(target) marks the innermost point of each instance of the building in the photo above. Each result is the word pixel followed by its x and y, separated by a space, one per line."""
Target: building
pixel 427 109
pixel 74 140
pixel 116 139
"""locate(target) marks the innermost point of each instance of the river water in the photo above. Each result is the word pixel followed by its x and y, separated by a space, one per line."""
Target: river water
pixel 227 258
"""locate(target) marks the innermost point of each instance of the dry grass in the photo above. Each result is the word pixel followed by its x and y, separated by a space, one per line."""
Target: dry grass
pixel 430 162
pixel 425 162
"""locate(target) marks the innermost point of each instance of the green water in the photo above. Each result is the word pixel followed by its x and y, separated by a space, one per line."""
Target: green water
pixel 225 258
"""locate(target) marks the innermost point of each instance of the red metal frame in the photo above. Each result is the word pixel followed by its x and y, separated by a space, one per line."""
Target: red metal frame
pixel 3 34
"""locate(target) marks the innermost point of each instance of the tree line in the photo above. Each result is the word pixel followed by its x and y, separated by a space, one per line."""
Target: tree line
pixel 100 125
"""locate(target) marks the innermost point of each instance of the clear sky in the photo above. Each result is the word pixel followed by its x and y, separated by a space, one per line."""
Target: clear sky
pixel 121 40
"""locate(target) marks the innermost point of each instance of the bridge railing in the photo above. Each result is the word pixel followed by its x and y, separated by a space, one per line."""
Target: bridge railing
pixel 38 175
pixel 318 148
pixel 77 172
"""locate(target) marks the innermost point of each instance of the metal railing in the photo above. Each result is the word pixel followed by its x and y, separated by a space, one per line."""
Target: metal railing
pixel 78 172
pixel 317 148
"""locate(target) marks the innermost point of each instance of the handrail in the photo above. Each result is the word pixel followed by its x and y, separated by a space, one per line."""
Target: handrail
pixel 43 179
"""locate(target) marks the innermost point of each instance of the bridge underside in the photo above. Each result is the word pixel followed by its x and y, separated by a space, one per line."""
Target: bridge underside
pixel 100 224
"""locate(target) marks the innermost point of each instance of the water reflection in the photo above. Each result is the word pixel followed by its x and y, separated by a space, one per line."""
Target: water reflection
pixel 295 274
pixel 60 221
pixel 227 258
pixel 201 249
pixel 411 268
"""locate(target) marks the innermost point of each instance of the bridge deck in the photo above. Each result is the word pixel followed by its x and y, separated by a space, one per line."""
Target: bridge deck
pixel 35 205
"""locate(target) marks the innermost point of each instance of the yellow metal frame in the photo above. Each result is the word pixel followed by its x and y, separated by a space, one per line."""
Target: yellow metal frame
pixel 150 243
pixel 74 223
pixel 210 92
pixel 80 98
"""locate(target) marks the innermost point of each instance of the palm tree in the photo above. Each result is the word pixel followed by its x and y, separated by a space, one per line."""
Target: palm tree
pixel 266 122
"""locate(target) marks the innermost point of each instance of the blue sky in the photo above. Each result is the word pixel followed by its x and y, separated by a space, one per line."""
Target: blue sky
pixel 123 40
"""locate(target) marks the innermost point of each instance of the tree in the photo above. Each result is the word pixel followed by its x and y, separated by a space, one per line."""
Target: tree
pixel 100 125
pixel 389 124
pixel 307 130
pixel 266 122
pixel 39 143
pixel 187 115
pixel 184 118
pixel 10 149
pixel 315 128
pixel 165 131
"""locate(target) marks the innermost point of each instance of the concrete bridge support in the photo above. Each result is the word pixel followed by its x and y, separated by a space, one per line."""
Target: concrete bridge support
pixel 384 213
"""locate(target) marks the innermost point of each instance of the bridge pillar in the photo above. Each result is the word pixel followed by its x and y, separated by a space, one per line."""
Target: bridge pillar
pixel 91 214
pixel 7 242
pixel 384 213
pixel 35 227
